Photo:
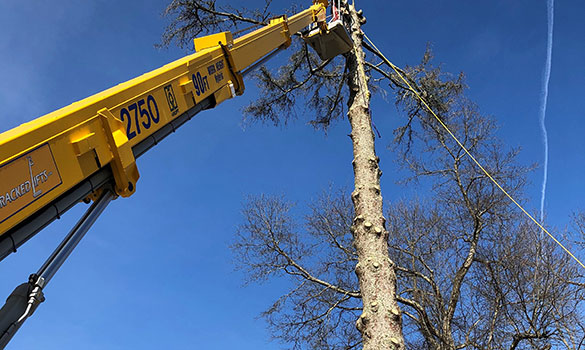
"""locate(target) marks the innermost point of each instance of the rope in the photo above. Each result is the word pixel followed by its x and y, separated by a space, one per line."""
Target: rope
pixel 395 68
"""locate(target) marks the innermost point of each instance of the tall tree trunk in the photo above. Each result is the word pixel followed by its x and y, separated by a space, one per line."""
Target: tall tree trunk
pixel 380 323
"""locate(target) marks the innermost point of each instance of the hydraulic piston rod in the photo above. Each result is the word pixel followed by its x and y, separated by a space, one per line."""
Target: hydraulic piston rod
pixel 26 297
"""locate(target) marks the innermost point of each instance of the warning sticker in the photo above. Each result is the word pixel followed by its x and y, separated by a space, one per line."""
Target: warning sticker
pixel 26 179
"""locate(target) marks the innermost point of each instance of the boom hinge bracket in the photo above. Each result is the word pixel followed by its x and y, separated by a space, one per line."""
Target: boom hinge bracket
pixel 283 20
pixel 239 86
pixel 123 162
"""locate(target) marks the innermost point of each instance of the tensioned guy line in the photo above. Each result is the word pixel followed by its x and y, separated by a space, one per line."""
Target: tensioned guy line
pixel 422 100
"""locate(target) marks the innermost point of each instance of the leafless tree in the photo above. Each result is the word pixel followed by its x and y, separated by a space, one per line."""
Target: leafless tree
pixel 321 308
pixel 324 87
pixel 579 227
pixel 471 272
pixel 470 241
pixel 508 300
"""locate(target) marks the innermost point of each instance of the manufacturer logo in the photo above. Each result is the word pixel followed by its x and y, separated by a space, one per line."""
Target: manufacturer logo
pixel 171 100
pixel 26 179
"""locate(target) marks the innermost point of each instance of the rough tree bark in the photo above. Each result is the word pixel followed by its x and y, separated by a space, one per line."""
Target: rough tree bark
pixel 380 322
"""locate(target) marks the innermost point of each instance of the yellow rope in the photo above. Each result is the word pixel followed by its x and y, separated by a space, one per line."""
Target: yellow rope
pixel 470 155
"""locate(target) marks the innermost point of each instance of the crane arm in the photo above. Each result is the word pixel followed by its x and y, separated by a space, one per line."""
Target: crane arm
pixel 53 162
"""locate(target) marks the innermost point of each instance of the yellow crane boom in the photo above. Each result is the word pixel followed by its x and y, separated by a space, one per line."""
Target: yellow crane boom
pixel 45 159
pixel 87 151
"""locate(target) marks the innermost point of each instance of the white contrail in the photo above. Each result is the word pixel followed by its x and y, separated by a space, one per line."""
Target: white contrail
pixel 544 97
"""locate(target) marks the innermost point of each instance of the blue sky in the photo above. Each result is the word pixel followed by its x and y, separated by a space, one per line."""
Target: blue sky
pixel 156 271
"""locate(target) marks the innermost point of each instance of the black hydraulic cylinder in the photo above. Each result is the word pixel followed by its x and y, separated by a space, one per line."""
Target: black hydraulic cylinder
pixel 15 306
pixel 22 303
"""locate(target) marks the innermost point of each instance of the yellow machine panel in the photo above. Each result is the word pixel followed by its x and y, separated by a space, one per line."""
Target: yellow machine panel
pixel 26 179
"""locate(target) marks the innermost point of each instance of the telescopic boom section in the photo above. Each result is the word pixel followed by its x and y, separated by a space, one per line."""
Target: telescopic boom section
pixel 44 163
